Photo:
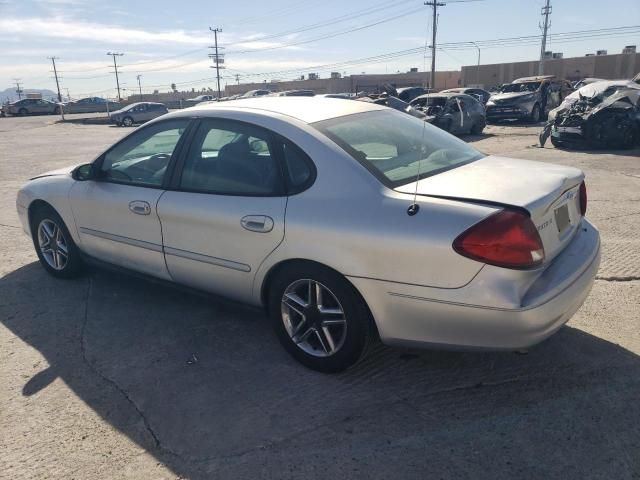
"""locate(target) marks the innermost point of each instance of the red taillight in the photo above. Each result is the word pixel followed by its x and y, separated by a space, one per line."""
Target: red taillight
pixel 583 199
pixel 507 238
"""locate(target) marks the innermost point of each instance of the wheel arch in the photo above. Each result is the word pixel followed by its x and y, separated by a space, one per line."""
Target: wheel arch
pixel 37 205
pixel 278 267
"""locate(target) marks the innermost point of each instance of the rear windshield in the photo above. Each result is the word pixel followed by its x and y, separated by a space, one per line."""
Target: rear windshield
pixel 397 148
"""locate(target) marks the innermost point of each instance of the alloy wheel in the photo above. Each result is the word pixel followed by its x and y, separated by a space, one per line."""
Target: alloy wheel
pixel 52 244
pixel 313 318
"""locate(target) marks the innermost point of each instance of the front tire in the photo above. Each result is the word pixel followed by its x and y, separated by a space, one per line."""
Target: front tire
pixel 319 317
pixel 536 115
pixel 127 121
pixel 23 111
pixel 54 245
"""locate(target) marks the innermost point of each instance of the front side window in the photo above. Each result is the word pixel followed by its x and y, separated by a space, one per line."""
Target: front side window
pixel 142 158
pixel 231 158
pixel 397 148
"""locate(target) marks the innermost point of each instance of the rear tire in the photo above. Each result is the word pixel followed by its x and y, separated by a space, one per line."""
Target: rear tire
pixel 328 335
pixel 54 245
pixel 56 111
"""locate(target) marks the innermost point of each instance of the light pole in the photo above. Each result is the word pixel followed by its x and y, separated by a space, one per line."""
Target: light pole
pixel 139 85
pixel 478 67
pixel 115 67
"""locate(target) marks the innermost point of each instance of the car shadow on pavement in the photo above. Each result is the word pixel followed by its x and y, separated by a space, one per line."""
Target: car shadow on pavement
pixel 204 386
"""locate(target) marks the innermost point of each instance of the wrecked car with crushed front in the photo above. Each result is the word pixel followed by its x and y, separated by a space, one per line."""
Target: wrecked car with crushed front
pixel 610 119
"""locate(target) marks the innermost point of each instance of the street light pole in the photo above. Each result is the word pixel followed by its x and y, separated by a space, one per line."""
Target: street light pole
pixel 115 68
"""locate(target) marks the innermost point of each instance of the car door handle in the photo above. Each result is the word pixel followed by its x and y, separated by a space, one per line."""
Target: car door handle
pixel 257 223
pixel 140 207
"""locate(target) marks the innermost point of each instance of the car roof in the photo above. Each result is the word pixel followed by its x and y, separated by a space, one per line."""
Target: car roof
pixel 306 109
pixel 442 95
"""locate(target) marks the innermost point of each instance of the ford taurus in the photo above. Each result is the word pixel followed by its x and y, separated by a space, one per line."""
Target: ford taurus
pixel 348 221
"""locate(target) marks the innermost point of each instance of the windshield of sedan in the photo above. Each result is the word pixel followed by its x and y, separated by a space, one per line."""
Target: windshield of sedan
pixel 520 87
pixel 396 147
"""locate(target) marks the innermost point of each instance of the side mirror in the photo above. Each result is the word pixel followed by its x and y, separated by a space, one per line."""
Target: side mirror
pixel 84 172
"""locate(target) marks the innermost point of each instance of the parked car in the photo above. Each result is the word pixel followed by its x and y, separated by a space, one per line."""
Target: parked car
pixel 455 113
pixel 409 93
pixel 31 106
pixel 394 228
pixel 294 93
pixel 137 113
pixel 344 96
pixel 201 98
pixel 528 98
pixel 586 81
pixel 478 93
pixel 255 93
pixel 90 105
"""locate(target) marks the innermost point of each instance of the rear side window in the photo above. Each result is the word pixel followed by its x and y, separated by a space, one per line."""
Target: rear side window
pixel 231 158
pixel 299 167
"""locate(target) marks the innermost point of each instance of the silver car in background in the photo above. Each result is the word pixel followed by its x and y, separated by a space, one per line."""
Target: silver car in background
pixel 346 221
pixel 137 113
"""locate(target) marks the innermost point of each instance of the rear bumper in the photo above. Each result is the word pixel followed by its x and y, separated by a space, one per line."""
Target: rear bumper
pixel 409 315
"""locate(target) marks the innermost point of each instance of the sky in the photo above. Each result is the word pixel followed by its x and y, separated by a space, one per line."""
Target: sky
pixel 166 41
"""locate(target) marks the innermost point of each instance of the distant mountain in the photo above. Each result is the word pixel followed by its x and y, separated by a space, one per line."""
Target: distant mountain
pixel 11 95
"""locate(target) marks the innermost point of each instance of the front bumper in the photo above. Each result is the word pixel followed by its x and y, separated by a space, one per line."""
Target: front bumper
pixel 504 112
pixel 417 316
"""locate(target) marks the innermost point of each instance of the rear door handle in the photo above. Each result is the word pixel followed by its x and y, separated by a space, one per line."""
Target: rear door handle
pixel 140 207
pixel 257 223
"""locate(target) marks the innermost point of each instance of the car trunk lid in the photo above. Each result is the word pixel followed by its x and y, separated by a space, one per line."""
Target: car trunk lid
pixel 549 193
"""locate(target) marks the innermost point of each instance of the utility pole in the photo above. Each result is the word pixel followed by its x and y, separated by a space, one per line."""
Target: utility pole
pixel 546 11
pixel 237 79
pixel 139 85
pixel 18 89
pixel 217 57
pixel 55 72
pixel 478 67
pixel 115 68
pixel 435 4
pixel 68 95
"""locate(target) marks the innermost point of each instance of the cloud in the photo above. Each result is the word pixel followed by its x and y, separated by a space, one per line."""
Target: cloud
pixel 74 30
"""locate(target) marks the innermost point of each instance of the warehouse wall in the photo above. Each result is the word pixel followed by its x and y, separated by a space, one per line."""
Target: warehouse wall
pixel 609 67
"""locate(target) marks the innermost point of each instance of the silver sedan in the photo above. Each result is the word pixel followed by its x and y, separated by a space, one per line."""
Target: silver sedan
pixel 347 221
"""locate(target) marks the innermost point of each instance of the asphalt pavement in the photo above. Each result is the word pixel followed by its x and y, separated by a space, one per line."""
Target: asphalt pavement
pixel 109 376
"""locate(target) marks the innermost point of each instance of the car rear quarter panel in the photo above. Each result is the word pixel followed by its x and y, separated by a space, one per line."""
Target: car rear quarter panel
pixel 350 222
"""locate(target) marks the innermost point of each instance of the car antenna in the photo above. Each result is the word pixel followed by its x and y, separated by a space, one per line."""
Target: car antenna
pixel 414 207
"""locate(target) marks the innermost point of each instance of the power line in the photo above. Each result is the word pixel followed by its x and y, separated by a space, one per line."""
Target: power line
pixel 329 35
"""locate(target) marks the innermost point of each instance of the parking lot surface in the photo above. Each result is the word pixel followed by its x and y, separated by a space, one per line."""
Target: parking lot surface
pixel 110 376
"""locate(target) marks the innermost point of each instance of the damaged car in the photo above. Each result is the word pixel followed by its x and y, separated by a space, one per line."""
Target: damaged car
pixel 528 98
pixel 452 112
pixel 608 120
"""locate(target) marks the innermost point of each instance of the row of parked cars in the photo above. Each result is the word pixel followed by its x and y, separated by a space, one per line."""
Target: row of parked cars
pixel 39 106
